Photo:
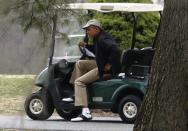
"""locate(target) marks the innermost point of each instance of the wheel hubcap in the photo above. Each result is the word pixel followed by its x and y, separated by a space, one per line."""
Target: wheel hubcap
pixel 130 109
pixel 36 106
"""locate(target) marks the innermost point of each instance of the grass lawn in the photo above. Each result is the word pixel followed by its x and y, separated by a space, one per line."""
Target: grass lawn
pixel 13 90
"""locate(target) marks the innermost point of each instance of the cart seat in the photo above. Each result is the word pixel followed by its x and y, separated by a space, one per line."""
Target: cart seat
pixel 137 62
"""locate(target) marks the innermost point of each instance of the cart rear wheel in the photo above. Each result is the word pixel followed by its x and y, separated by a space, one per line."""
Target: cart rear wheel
pixel 68 114
pixel 129 107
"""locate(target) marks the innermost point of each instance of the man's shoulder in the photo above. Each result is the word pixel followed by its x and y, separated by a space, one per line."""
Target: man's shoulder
pixel 104 35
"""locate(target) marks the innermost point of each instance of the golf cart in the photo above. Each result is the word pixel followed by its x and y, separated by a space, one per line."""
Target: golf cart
pixel 122 94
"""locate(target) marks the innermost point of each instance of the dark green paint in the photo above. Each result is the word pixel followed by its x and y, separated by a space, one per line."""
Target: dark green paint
pixel 105 93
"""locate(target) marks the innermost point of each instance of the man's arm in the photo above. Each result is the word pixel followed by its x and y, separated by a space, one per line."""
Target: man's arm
pixel 113 61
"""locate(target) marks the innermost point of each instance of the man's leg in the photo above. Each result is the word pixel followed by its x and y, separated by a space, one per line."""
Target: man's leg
pixel 81 98
pixel 80 87
pixel 82 67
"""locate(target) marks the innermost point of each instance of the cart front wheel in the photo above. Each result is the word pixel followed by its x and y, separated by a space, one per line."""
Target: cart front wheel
pixel 38 106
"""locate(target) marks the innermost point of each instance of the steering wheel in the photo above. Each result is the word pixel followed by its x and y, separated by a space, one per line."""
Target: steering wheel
pixel 83 50
pixel 86 53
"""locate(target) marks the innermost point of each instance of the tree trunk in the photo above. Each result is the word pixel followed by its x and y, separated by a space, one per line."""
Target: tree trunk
pixel 165 107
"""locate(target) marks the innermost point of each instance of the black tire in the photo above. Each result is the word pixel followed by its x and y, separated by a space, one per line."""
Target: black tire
pixel 45 107
pixel 68 114
pixel 132 104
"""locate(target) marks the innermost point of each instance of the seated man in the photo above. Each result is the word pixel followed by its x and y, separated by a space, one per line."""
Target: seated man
pixel 86 63
pixel 107 60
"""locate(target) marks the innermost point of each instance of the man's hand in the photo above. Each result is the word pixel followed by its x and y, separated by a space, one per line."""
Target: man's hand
pixel 107 67
pixel 106 76
pixel 81 44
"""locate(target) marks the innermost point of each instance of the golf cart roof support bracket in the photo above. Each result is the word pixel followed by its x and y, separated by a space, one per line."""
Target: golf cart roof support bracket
pixel 134 31
pixel 52 44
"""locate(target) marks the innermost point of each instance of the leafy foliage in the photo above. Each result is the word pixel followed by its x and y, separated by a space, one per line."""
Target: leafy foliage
pixel 120 25
pixel 39 14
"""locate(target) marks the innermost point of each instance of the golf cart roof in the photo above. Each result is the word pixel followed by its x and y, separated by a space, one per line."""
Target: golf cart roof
pixel 113 7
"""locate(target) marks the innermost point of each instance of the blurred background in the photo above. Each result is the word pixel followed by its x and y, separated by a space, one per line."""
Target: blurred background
pixel 24 54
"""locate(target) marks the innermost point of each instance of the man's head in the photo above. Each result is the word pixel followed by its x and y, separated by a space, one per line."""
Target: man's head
pixel 93 27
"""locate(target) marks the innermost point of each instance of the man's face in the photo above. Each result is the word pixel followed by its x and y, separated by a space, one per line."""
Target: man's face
pixel 92 31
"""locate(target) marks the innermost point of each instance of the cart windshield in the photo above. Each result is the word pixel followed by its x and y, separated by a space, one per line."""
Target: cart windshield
pixel 69 46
